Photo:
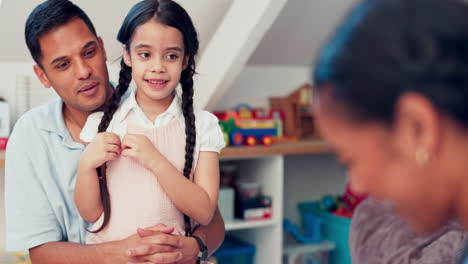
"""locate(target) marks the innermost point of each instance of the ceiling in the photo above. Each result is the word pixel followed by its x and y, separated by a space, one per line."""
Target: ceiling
pixel 299 31
pixel 107 15
pixel 294 39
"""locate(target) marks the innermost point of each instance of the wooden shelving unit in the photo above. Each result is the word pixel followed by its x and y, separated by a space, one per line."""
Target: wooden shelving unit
pixel 266 166
pixel 2 159
pixel 287 148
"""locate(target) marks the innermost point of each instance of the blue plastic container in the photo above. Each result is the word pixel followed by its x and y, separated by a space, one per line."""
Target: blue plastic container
pixel 334 228
pixel 235 251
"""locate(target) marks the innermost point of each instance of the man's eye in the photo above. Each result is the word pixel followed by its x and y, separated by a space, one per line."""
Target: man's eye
pixel 62 65
pixel 90 52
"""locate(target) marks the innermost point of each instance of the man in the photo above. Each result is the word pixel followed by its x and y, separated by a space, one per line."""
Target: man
pixel 44 150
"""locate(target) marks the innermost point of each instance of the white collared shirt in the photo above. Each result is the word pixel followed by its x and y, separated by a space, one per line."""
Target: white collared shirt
pixel 209 136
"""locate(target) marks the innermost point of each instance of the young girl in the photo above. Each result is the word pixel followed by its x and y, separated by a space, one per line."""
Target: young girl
pixel 152 159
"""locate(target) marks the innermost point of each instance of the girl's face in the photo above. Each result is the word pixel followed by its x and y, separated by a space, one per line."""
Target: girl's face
pixel 157 60
pixel 380 163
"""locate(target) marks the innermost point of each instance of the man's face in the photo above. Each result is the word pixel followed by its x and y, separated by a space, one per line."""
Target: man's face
pixel 74 64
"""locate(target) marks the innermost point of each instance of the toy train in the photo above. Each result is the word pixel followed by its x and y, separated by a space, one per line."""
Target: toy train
pixel 246 126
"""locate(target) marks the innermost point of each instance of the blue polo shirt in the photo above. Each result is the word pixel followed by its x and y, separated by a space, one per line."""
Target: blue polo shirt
pixel 40 174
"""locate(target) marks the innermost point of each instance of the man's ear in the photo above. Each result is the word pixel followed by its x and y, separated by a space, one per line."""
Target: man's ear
pixel 126 57
pixel 101 43
pixel 42 76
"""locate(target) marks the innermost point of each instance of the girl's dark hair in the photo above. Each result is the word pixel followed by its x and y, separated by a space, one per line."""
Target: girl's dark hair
pixel 385 48
pixel 169 13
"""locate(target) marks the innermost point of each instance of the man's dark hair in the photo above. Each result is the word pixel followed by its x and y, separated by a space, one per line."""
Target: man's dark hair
pixel 47 17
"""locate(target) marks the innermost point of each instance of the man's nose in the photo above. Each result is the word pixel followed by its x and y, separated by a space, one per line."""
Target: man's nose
pixel 83 70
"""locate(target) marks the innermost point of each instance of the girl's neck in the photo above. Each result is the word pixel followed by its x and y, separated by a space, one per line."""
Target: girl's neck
pixel 153 108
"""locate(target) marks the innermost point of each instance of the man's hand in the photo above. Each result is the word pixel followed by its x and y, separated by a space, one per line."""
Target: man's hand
pixel 155 245
pixel 158 252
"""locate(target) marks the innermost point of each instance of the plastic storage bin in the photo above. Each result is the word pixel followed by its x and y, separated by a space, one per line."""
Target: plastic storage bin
pixel 334 228
pixel 308 253
pixel 235 251
pixel 226 203
pixel 308 258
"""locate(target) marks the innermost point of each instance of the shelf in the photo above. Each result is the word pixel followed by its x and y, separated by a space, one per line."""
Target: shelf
pixel 298 147
pixel 287 148
pixel 295 249
pixel 2 159
pixel 240 224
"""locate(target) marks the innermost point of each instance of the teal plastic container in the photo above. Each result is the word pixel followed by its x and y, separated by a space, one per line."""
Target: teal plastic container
pixel 334 228
pixel 235 251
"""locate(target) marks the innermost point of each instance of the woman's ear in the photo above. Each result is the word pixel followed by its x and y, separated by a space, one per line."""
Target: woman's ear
pixel 417 124
pixel 126 56
pixel 185 63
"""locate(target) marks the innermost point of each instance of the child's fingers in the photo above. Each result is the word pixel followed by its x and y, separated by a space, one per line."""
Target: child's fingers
pixel 126 152
pixel 113 148
pixel 127 142
pixel 112 155
pixel 112 138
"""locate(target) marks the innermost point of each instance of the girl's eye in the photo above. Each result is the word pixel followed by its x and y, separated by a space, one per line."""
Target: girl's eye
pixel 172 56
pixel 144 55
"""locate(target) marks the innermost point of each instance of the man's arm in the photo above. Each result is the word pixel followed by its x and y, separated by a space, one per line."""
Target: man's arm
pixel 212 235
pixel 155 245
pixel 161 242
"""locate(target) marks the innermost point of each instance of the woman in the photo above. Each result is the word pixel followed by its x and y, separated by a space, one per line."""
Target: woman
pixel 391 96
pixel 379 236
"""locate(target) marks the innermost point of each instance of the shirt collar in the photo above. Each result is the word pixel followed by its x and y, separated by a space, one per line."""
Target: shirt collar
pixel 174 109
pixel 53 122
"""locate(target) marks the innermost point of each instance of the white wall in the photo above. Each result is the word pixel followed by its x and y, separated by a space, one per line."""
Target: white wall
pixel 254 85
pixel 258 82
pixel 107 16
pixel 309 177
pixel 11 71
pixel 2 210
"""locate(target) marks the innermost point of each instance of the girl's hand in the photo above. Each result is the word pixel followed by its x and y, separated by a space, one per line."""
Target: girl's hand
pixel 140 148
pixel 105 146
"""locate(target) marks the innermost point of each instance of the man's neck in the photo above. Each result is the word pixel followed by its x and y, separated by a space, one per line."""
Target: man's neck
pixel 74 121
